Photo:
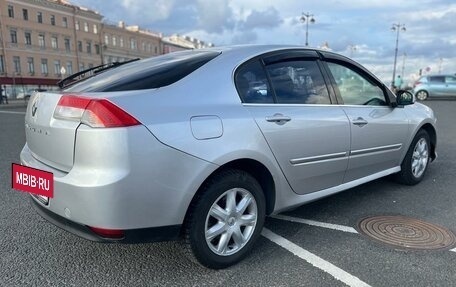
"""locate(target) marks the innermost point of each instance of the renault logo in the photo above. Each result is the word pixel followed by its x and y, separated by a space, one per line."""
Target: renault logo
pixel 35 106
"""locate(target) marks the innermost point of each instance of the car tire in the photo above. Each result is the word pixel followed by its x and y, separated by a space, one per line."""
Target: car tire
pixel 416 160
pixel 220 228
pixel 422 95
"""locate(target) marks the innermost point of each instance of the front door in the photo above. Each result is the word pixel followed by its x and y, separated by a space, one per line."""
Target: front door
pixel 378 131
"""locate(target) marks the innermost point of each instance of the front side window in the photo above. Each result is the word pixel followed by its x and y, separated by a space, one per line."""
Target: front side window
pixel 450 79
pixel 252 83
pixel 298 82
pixel 355 88
pixel 437 79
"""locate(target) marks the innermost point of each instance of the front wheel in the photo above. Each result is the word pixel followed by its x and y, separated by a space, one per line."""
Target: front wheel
pixel 422 95
pixel 225 219
pixel 416 160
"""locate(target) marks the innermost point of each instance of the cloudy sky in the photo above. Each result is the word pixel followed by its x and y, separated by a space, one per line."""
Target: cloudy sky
pixel 428 42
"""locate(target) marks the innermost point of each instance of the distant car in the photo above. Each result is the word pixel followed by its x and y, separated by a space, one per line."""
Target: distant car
pixel 204 144
pixel 26 96
pixel 435 86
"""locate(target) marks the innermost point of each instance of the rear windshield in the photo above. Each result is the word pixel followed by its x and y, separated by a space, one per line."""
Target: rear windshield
pixel 149 73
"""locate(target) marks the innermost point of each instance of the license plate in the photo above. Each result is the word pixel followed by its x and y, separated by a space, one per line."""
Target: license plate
pixel 32 180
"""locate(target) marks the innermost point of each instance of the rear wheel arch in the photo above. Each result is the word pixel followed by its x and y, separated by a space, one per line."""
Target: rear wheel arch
pixel 253 167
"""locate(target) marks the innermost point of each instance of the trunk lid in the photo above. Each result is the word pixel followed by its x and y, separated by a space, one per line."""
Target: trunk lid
pixel 50 140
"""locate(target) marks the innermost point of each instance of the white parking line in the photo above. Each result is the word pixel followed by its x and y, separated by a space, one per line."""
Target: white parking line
pixel 313 259
pixel 12 112
pixel 317 223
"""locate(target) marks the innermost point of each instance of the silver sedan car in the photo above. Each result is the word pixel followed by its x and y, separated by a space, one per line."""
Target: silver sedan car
pixel 203 145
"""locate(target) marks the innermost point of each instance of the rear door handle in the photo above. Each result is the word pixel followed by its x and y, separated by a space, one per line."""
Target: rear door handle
pixel 278 118
pixel 360 122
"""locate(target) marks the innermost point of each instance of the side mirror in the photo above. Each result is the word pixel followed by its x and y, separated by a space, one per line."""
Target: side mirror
pixel 404 98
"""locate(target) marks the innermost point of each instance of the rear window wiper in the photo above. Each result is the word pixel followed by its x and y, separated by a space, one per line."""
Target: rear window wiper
pixel 88 73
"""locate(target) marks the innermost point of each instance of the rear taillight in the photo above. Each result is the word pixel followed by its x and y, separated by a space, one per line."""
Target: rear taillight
pixel 416 83
pixel 97 113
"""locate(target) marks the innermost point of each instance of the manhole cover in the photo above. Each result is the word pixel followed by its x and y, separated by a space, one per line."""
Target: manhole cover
pixel 407 233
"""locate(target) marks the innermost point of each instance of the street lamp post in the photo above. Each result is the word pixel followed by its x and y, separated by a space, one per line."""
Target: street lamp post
pixel 306 18
pixel 403 64
pixel 396 27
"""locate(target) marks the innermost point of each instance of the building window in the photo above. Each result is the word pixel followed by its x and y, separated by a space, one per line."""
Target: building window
pixel 44 66
pixel 106 39
pixel 64 22
pixel 149 47
pixel 13 34
pixel 95 29
pixel 54 43
pixel 90 65
pixel 2 64
pixel 39 17
pixel 79 46
pixel 10 11
pixel 133 44
pixel 67 45
pixel 28 38
pixel 76 25
pixel 89 48
pixel 86 27
pixel 17 64
pixel 81 67
pixel 69 68
pixel 57 67
pixel 25 14
pixel 143 46
pixel 114 41
pixel 121 42
pixel 53 20
pixel 30 65
pixel 41 41
pixel 155 49
pixel 97 49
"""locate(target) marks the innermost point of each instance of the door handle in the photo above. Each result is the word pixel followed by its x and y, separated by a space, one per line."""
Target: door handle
pixel 278 119
pixel 360 122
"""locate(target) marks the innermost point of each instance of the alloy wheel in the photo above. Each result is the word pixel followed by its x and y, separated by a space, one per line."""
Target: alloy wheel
pixel 231 221
pixel 420 157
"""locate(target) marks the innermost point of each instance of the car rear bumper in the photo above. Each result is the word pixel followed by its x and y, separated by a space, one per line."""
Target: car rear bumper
pixel 163 233
pixel 123 179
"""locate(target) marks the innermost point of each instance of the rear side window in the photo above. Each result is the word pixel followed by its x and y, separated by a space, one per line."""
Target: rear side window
pixel 150 73
pixel 252 83
pixel 437 79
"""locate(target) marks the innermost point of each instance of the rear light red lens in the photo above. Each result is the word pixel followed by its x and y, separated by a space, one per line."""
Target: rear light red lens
pixel 103 113
pixel 108 233
pixel 416 84
pixel 97 113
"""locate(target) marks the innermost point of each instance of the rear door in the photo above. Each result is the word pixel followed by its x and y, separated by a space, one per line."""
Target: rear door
pixel 437 85
pixel 378 131
pixel 289 99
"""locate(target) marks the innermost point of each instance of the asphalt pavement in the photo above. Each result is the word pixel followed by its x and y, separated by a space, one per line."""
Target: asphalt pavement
pixel 33 252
